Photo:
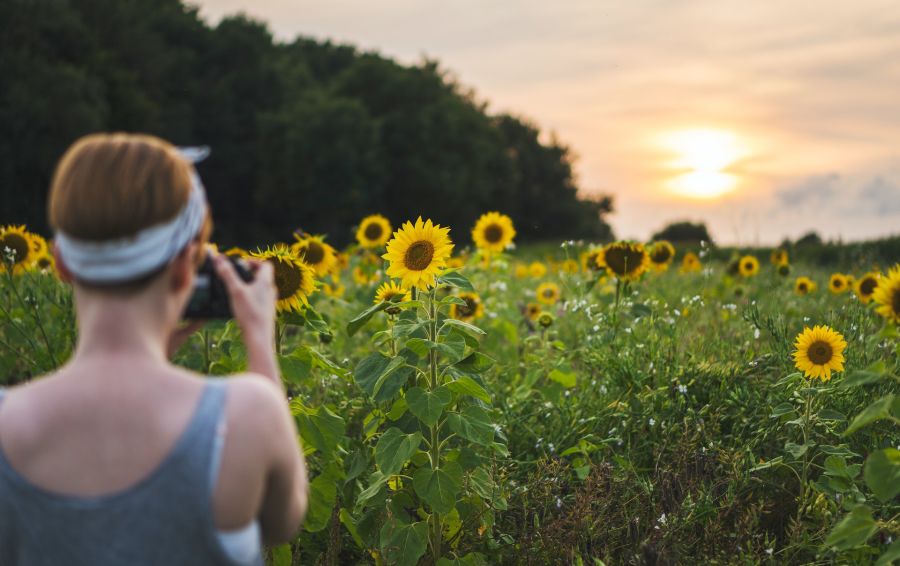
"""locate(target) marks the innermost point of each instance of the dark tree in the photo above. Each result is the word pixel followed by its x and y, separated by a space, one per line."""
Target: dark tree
pixel 306 134
pixel 809 239
pixel 685 233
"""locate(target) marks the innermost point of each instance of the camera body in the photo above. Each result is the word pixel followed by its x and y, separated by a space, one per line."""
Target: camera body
pixel 210 297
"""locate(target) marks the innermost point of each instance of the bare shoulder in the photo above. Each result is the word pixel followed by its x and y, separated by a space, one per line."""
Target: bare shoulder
pixel 254 403
pixel 255 390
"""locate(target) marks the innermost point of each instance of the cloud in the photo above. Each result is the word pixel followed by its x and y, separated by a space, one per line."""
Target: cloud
pixel 881 196
pixel 811 193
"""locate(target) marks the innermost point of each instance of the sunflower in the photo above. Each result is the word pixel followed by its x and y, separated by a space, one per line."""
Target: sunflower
pixel 294 279
pixel 661 255
pixel 456 262
pixel 363 277
pixel 390 291
pixel 589 260
pixel 569 266
pixel 493 232
pixel 333 288
pixel 819 351
pixel 887 295
pixel 39 245
pixel 521 271
pixel 626 260
pixel 374 231
pixel 418 252
pixel 533 310
pixel 804 286
pixel 866 285
pixel 548 293
pixel 342 262
pixel 783 269
pixel 748 266
pixel 545 319
pixel 779 257
pixel 316 253
pixel 690 263
pixel 473 308
pixel 45 263
pixel 17 248
pixel 838 283
pixel 537 269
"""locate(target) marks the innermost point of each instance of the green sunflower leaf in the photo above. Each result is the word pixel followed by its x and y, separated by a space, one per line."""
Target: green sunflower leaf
pixel 428 405
pixel 439 487
pixel 361 319
pixel 456 279
pixel 402 544
pixel 882 473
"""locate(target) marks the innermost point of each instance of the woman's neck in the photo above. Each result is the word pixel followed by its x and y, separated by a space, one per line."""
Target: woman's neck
pixel 136 327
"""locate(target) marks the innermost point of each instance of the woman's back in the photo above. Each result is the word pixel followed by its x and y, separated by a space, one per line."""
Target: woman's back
pixel 125 475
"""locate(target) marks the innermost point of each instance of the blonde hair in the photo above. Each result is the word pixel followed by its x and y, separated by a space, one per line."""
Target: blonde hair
pixel 112 186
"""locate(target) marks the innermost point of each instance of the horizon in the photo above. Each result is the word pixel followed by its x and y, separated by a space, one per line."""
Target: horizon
pixel 763 122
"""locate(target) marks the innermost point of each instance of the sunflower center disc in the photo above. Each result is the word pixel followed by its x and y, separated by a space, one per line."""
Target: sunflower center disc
pixel 868 286
pixel 288 279
pixel 419 255
pixel 493 233
pixel 315 253
pixel 820 353
pixel 373 231
pixel 895 302
pixel 802 287
pixel 17 244
pixel 548 293
pixel 661 255
pixel 748 266
pixel 838 283
pixel 623 261
pixel 469 309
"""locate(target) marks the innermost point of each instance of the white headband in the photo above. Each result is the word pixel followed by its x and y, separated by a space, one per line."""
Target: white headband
pixel 127 259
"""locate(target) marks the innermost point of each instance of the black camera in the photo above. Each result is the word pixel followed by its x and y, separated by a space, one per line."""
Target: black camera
pixel 210 297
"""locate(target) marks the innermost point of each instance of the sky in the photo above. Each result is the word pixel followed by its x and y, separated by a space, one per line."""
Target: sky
pixel 763 119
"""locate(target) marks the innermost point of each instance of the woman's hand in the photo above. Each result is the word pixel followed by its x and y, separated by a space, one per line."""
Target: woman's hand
pixel 253 306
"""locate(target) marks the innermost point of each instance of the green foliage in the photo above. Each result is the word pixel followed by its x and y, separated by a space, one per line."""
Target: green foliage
pixel 649 428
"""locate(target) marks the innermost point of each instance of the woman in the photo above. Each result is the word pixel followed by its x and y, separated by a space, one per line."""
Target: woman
pixel 120 457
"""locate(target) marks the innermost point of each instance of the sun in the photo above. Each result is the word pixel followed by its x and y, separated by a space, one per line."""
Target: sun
pixel 702 161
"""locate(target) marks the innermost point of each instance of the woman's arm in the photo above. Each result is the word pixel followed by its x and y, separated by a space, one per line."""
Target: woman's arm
pixel 286 487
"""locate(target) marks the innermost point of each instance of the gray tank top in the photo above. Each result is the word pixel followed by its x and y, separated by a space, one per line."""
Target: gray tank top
pixel 165 519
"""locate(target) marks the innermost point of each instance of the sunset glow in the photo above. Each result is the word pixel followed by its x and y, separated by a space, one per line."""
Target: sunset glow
pixel 702 159
pixel 727 113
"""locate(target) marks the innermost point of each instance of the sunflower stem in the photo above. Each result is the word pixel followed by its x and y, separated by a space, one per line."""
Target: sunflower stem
pixel 435 454
pixel 806 430
pixel 393 341
pixel 616 306
pixel 279 331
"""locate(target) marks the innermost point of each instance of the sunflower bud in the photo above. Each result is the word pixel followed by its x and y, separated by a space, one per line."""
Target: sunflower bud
pixel 546 319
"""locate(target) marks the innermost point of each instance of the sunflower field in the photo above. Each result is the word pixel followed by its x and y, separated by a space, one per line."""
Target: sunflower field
pixel 618 403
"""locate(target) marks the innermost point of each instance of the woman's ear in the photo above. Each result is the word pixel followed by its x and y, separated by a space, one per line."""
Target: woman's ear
pixel 61 268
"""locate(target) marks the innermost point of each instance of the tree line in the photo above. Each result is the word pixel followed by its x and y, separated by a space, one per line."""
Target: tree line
pixel 305 134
